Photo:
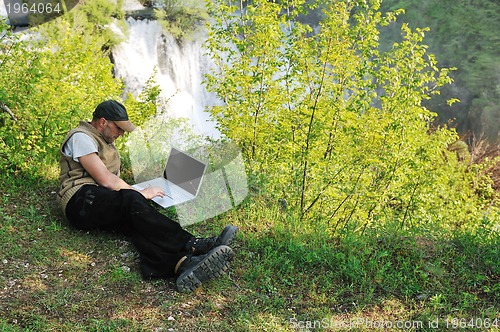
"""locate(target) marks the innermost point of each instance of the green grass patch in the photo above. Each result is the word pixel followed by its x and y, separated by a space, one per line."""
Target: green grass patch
pixel 286 274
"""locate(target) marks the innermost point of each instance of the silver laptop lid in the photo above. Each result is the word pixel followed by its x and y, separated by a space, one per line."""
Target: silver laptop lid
pixel 184 171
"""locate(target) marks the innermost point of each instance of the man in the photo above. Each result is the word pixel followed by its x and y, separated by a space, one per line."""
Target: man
pixel 93 196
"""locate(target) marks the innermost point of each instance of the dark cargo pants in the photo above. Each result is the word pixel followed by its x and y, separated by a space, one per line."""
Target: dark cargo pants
pixel 160 241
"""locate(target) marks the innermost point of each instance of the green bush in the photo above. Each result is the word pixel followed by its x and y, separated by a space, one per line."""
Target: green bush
pixel 50 79
pixel 333 126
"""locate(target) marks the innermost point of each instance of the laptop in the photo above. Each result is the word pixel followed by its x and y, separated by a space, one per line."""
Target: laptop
pixel 181 179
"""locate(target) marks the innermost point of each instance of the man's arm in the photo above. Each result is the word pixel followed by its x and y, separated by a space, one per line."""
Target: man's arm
pixel 99 172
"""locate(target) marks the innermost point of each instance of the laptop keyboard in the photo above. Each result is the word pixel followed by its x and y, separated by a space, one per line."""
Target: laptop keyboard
pixel 174 193
pixel 171 191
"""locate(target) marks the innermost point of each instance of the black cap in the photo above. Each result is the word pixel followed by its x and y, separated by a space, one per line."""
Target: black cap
pixel 114 111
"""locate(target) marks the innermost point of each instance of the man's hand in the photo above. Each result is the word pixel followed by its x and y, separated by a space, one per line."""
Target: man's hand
pixel 97 170
pixel 151 192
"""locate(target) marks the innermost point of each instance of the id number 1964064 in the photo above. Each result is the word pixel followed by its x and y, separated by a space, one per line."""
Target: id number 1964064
pixel 33 7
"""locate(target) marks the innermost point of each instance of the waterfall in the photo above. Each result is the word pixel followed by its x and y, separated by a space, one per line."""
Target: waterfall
pixel 178 68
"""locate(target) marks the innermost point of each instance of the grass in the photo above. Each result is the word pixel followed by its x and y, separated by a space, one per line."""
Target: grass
pixel 286 276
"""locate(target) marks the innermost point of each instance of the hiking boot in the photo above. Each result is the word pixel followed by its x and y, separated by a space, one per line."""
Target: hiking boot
pixel 200 246
pixel 195 270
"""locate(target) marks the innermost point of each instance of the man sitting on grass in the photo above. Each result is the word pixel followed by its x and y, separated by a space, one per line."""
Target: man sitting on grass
pixel 93 196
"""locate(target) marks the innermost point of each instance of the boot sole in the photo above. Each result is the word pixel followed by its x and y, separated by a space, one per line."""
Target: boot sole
pixel 212 266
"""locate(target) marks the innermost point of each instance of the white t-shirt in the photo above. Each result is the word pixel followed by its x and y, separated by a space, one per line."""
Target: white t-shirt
pixel 79 145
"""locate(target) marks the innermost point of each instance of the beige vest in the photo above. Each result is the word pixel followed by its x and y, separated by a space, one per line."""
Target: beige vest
pixel 73 176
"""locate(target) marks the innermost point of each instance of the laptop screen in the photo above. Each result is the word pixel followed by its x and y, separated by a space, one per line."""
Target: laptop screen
pixel 184 171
